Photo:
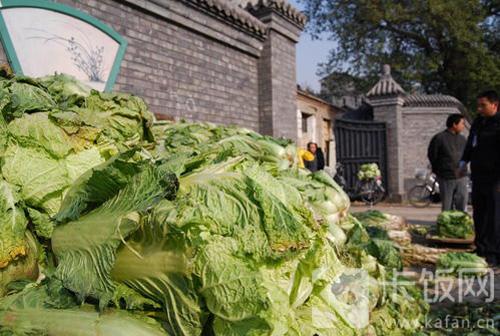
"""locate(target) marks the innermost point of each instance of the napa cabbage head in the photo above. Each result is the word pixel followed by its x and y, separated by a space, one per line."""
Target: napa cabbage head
pixel 49 309
pixel 22 95
pixel 101 227
pixel 455 224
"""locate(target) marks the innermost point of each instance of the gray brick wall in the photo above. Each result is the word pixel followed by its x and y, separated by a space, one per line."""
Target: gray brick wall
pixel 277 78
pixel 409 131
pixel 266 124
pixel 185 75
pixel 389 110
pixel 284 87
pixel 419 126
pixel 277 87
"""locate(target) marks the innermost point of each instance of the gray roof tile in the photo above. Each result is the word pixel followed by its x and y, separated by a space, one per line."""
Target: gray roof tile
pixel 281 6
pixel 230 10
pixel 386 85
pixel 431 100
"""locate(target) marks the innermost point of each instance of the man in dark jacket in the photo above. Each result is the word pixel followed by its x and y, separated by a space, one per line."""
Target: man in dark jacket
pixel 483 153
pixel 444 153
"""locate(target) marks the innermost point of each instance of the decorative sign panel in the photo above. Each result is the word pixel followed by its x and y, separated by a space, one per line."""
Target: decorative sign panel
pixel 42 38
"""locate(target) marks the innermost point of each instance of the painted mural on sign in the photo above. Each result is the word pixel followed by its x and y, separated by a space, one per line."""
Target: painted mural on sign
pixel 48 42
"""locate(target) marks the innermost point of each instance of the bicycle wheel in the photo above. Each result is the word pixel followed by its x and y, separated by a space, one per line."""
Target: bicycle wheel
pixel 369 193
pixel 419 196
pixel 378 196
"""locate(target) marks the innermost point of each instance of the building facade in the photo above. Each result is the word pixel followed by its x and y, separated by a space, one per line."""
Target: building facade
pixel 317 119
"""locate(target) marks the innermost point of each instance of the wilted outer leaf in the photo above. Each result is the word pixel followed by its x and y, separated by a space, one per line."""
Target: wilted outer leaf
pixel 40 177
pixel 24 268
pixel 230 286
pixel 157 271
pixel 22 95
pixel 65 89
pixel 75 322
pixel 86 247
pixel 50 309
pixel 98 185
pixel 121 117
pixel 43 160
pixel 12 226
pixel 42 223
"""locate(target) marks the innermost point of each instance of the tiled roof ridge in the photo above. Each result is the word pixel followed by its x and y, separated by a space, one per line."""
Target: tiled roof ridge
pixel 232 12
pixel 386 85
pixel 282 7
pixel 431 100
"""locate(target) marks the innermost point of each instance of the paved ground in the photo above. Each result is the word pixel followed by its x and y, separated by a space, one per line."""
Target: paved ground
pixel 427 216
pixel 422 216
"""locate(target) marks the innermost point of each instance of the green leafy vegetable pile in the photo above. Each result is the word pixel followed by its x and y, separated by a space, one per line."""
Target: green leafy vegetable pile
pixel 114 225
pixel 455 224
pixel 368 171
pixel 462 263
pixel 371 217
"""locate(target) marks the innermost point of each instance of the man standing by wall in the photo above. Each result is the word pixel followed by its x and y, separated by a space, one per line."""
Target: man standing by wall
pixel 444 153
pixel 483 153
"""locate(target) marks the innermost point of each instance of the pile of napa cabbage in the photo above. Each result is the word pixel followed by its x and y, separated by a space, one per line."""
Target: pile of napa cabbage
pixel 112 224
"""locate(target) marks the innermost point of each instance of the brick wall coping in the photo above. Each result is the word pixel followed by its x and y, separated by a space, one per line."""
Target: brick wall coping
pixel 241 36
pixel 235 14
pixel 432 100
pixel 280 6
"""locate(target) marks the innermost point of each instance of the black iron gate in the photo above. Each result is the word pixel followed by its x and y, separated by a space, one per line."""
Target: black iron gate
pixel 360 142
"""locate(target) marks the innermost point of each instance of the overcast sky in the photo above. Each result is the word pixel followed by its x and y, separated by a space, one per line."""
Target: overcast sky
pixel 309 54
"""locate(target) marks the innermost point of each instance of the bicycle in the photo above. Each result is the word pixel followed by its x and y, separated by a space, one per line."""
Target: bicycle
pixel 426 190
pixel 369 191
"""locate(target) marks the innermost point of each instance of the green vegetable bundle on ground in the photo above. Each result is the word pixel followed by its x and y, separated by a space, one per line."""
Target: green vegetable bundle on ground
pixel 375 241
pixel 130 228
pixel 455 224
pixel 462 263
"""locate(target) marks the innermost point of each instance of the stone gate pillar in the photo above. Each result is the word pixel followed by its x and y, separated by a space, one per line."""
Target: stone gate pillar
pixel 277 67
pixel 387 98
